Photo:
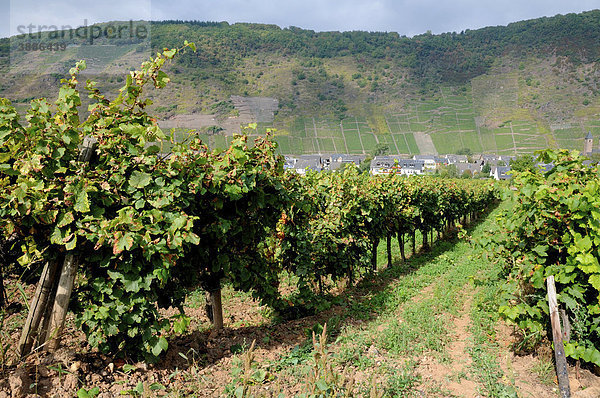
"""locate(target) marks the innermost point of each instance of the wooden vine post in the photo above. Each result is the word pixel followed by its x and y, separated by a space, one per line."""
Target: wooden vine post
pixel 53 293
pixel 61 302
pixel 214 306
pixel 37 308
pixel 559 349
pixel 3 298
pixel 217 308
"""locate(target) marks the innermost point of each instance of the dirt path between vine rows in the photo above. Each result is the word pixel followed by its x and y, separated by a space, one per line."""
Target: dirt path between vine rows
pixel 452 375
pixel 529 375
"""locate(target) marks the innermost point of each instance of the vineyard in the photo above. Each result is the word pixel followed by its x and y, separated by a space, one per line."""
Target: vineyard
pixel 150 226
pixel 124 233
pixel 554 231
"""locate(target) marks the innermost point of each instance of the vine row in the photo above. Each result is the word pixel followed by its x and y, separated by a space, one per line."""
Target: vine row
pixel 146 227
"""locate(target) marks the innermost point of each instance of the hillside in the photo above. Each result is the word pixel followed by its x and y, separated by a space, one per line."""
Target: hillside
pixel 507 89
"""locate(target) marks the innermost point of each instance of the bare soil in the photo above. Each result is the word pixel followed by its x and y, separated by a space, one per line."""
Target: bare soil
pixel 200 363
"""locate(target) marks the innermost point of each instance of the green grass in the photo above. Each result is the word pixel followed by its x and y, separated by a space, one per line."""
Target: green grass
pixel 353 141
pixel 422 324
pixel 356 136
pixel 401 143
pixel 220 142
pixel 504 142
pixel 284 145
pixel 349 124
pixel 544 369
pixel 470 139
pixel 363 126
pixel 569 138
pixel 308 145
pixel 449 120
pixel 368 140
pixel 412 143
pixel 297 127
pixel 484 350
pixel 326 145
pixel 340 144
pixel 447 140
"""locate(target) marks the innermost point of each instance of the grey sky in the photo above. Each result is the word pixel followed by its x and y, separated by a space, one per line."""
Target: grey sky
pixel 407 17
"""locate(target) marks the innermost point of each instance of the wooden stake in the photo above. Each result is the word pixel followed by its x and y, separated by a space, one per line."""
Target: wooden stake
pixel 3 298
pixel 61 303
pixel 87 148
pixel 37 308
pixel 350 276
pixel 217 309
pixel 40 340
pixel 559 349
pixel 566 324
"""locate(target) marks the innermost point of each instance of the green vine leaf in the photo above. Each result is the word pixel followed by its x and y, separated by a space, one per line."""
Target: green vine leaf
pixel 82 203
pixel 161 346
pixel 123 242
pixel 139 179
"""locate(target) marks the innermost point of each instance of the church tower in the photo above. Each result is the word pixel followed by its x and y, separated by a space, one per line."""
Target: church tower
pixel 588 143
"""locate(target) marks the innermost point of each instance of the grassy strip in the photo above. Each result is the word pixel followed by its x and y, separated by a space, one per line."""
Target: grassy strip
pixel 376 300
pixel 484 350
pixel 420 325
pixel 406 325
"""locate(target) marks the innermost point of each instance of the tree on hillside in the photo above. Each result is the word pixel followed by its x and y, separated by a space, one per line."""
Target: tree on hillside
pixel 380 149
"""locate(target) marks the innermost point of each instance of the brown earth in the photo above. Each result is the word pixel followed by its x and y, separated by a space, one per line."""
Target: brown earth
pixel 200 364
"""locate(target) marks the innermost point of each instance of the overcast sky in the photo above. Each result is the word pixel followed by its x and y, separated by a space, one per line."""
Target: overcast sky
pixel 407 17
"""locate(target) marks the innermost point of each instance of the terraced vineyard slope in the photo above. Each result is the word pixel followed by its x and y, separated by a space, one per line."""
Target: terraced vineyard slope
pixel 507 90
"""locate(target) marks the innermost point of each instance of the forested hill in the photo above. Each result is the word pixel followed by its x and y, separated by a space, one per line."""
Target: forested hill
pixel 448 57
pixel 505 89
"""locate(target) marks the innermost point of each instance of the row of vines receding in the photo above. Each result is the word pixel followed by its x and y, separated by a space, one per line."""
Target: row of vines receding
pixel 147 227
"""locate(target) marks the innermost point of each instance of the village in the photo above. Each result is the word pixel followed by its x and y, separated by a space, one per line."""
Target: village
pixel 457 165
pixel 493 166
